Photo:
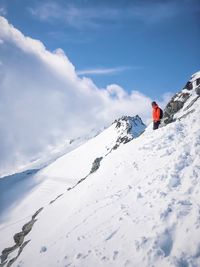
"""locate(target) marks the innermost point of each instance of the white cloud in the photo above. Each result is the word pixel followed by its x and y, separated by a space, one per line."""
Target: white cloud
pixel 3 11
pixel 91 16
pixel 43 101
pixel 46 11
pixel 69 14
pixel 102 71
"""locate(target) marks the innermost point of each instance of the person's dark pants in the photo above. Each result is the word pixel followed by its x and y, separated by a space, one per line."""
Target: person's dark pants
pixel 156 125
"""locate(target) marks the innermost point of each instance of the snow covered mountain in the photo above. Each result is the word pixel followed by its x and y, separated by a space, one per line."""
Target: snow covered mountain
pixel 115 200
pixel 23 193
pixel 53 153
pixel 130 128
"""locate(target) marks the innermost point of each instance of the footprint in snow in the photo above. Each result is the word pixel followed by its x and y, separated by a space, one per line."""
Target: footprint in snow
pixel 168 152
pixel 104 258
pixel 79 255
pixel 141 243
pixel 183 208
pixel 174 182
pixel 163 194
pixel 115 254
pixel 182 262
pixel 139 195
pixel 135 165
pixel 43 249
pixel 164 215
pixel 163 244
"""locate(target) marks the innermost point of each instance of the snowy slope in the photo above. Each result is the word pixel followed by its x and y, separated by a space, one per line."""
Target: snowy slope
pixel 21 194
pixel 138 205
pixel 53 152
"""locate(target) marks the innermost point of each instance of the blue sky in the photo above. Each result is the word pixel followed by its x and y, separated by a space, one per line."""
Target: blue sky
pixel 150 46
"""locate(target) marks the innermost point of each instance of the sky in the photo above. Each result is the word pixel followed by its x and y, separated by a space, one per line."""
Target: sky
pixel 67 67
pixel 150 46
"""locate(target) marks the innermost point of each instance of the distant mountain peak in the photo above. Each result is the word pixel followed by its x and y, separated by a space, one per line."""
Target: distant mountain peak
pixel 128 128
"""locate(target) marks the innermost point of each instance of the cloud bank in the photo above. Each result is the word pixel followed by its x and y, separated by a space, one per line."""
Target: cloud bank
pixel 43 101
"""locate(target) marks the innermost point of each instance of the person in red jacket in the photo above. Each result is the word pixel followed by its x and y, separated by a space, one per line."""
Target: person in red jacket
pixel 155 115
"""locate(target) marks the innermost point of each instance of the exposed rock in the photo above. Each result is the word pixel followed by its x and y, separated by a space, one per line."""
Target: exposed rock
pixel 19 241
pixel 52 201
pixel 19 252
pixel 178 100
pixel 37 212
pixel 132 127
pixel 197 81
pixel 171 109
pixel 6 252
pixel 28 226
pixel 130 123
pixel 198 90
pixel 118 123
pixel 80 181
pixel 19 238
pixel 96 164
pixel 122 140
pixel 188 86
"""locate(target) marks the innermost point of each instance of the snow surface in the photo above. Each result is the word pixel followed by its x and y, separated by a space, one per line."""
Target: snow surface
pixel 53 153
pixel 23 193
pixel 140 208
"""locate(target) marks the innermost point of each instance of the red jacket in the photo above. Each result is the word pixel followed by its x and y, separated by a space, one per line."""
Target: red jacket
pixel 156 113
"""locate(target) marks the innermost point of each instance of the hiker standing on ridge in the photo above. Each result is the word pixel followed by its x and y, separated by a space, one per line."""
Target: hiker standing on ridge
pixel 156 114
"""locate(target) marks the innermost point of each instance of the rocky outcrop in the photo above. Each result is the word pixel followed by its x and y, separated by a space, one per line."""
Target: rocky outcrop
pixel 52 201
pixel 198 90
pixel 176 103
pixel 131 127
pixel 96 165
pixel 188 86
pixel 122 140
pixel 19 241
pixel 129 123
pixel 182 100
